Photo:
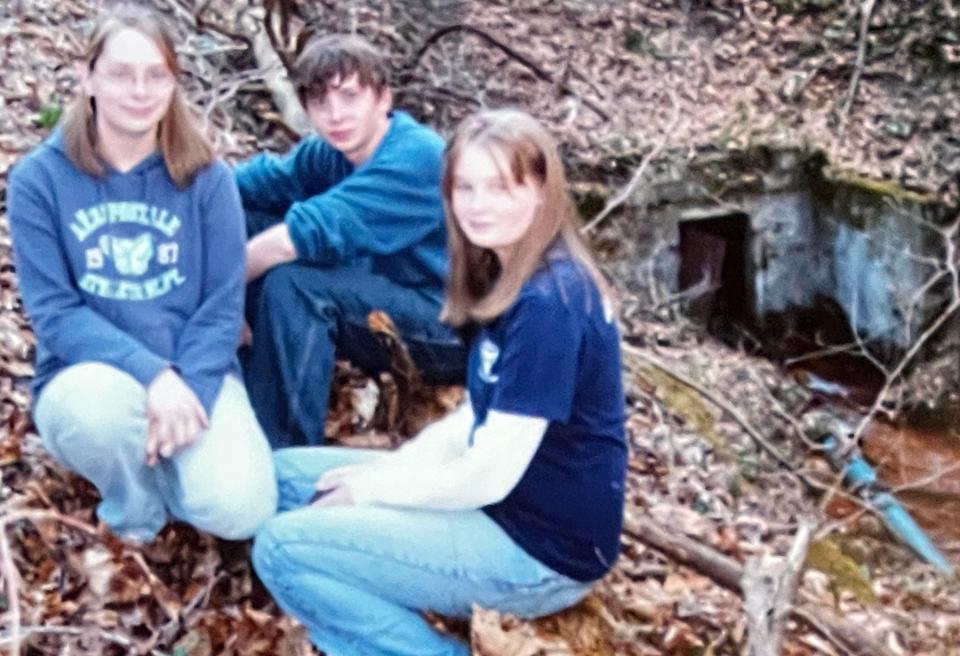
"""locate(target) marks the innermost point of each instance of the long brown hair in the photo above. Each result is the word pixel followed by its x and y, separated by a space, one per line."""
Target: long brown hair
pixel 184 147
pixel 477 289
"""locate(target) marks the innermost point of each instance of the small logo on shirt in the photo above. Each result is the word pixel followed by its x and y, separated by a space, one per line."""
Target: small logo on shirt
pixel 131 257
pixel 489 352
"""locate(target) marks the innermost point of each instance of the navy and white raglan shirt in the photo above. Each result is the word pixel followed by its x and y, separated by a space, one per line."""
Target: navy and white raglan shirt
pixel 555 354
pixel 127 269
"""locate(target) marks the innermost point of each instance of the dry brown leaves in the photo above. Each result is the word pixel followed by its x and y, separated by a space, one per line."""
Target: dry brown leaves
pixel 771 73
pixel 745 73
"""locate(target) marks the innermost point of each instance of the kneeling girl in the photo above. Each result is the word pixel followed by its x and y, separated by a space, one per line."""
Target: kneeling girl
pixel 515 500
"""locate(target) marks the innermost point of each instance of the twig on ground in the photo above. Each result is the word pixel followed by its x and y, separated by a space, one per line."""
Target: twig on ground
pixel 701 288
pixel 35 516
pixel 866 11
pixel 203 595
pixel 727 572
pixel 165 597
pixel 781 411
pixel 834 349
pixel 768 587
pixel 924 481
pixel 715 399
pixel 12 587
pixel 115 638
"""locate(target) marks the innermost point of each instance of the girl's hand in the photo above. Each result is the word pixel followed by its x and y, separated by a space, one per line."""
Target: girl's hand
pixel 174 414
pixel 333 488
pixel 337 496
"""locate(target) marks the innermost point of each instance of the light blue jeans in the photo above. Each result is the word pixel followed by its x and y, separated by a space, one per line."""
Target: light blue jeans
pixel 92 419
pixel 357 576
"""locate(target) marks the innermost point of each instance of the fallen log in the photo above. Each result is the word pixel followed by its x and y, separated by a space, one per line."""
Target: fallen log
pixel 728 573
pixel 292 115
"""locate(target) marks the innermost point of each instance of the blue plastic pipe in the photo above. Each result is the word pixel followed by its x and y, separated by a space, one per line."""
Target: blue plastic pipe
pixel 859 475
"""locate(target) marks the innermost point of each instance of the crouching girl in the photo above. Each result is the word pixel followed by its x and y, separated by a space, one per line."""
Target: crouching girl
pixel 512 502
pixel 129 241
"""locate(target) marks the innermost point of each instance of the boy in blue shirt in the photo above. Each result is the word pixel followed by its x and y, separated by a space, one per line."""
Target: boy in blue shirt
pixel 345 223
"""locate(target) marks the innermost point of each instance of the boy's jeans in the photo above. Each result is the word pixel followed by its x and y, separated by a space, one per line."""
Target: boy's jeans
pixel 357 576
pixel 302 317
pixel 92 419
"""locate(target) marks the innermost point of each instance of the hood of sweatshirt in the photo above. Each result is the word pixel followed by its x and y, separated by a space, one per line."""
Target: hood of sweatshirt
pixel 136 181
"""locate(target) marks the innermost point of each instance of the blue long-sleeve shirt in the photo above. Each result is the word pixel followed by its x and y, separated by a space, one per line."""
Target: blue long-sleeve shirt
pixel 388 210
pixel 128 269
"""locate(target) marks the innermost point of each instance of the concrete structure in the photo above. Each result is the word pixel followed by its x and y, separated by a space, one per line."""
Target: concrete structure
pixel 784 243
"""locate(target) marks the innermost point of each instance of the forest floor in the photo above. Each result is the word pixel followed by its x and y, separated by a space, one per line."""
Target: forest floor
pixel 718 457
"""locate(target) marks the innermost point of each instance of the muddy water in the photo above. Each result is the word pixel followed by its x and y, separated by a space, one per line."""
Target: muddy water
pixel 923 467
pixel 920 463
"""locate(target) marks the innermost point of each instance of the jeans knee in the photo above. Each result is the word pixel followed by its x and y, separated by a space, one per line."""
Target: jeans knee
pixel 278 287
pixel 102 425
pixel 84 428
pixel 92 399
pixel 266 555
pixel 229 512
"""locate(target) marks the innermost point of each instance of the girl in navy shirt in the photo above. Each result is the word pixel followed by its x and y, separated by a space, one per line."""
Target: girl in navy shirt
pixel 512 502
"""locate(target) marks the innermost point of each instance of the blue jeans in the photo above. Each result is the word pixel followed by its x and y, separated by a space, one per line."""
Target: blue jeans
pixel 357 576
pixel 304 316
pixel 92 419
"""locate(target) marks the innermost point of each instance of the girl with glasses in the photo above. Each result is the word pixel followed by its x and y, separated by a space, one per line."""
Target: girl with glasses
pixel 129 241
pixel 513 502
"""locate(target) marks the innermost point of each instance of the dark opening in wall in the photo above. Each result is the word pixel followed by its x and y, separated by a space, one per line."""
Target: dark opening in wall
pixel 714 273
pixel 717 276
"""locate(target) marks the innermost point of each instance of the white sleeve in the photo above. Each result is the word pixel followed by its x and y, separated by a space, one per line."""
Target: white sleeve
pixel 439 441
pixel 481 475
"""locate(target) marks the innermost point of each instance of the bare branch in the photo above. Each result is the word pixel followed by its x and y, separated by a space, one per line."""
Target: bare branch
pixel 507 50
pixel 727 572
pixel 866 11
pixel 949 235
pixel 631 187
pixel 284 96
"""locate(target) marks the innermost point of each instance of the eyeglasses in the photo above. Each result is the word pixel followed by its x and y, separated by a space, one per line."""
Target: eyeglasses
pixel 126 78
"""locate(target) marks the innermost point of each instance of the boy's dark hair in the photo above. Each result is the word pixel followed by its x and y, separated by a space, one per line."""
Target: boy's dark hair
pixel 329 56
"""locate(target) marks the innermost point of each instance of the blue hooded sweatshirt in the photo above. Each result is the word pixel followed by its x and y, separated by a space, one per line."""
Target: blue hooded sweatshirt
pixel 127 269
pixel 387 211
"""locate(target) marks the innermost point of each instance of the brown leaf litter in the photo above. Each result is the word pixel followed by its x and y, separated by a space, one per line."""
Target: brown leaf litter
pixel 741 76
